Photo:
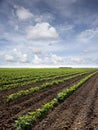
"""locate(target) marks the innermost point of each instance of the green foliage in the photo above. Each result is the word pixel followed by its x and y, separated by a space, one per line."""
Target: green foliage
pixel 65 93
pixel 25 122
pixel 35 89
pixel 14 78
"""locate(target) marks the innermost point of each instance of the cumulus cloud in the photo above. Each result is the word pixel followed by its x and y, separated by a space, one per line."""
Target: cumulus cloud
pixel 44 33
pixel 57 59
pixel 24 58
pixel 23 14
pixel 51 59
pixel 37 60
pixel 41 31
pixel 9 58
pixel 20 56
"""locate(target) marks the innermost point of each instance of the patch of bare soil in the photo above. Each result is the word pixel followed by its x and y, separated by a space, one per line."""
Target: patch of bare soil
pixel 10 112
pixel 78 112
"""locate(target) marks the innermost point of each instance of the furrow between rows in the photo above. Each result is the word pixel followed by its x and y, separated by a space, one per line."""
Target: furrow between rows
pixel 31 102
pixel 63 116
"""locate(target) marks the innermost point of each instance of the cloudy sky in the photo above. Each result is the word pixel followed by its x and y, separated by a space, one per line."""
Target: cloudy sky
pixel 48 33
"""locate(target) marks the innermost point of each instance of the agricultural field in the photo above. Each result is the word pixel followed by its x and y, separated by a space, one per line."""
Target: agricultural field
pixel 49 99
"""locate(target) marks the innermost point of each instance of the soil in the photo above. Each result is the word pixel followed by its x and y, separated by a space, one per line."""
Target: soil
pixel 14 90
pixel 78 112
pixel 67 111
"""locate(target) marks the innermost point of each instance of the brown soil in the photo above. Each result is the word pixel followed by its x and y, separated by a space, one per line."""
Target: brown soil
pixel 14 90
pixel 78 112
pixel 10 112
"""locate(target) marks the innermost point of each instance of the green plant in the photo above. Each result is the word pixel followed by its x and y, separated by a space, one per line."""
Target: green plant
pixel 25 122
pixel 35 89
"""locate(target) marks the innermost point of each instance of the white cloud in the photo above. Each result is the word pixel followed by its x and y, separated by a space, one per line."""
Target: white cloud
pixel 2 53
pixel 57 59
pixel 16 56
pixel 51 59
pixel 24 58
pixel 87 35
pixel 23 14
pixel 41 31
pixel 37 60
pixel 9 58
pixel 37 51
pixel 20 56
pixel 66 27
pixel 46 17
pixel 76 60
pixel 39 18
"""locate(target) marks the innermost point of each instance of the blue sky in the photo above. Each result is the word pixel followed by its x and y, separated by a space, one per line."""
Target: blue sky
pixel 48 33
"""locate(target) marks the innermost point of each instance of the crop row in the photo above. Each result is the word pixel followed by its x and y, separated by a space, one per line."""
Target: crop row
pixel 22 93
pixel 28 78
pixel 12 86
pixel 12 74
pixel 26 121
pixel 16 75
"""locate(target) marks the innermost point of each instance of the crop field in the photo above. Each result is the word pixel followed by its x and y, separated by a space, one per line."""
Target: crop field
pixel 49 99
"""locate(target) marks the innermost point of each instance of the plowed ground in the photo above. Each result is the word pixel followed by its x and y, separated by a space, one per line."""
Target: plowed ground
pixel 77 112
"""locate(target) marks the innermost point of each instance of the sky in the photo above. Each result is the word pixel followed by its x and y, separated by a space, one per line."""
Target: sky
pixel 48 33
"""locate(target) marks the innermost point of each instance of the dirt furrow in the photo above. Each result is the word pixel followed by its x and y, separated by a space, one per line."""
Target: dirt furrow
pixel 62 117
pixel 29 86
pixel 84 116
pixel 4 94
pixel 92 120
pixel 93 125
pixel 26 104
